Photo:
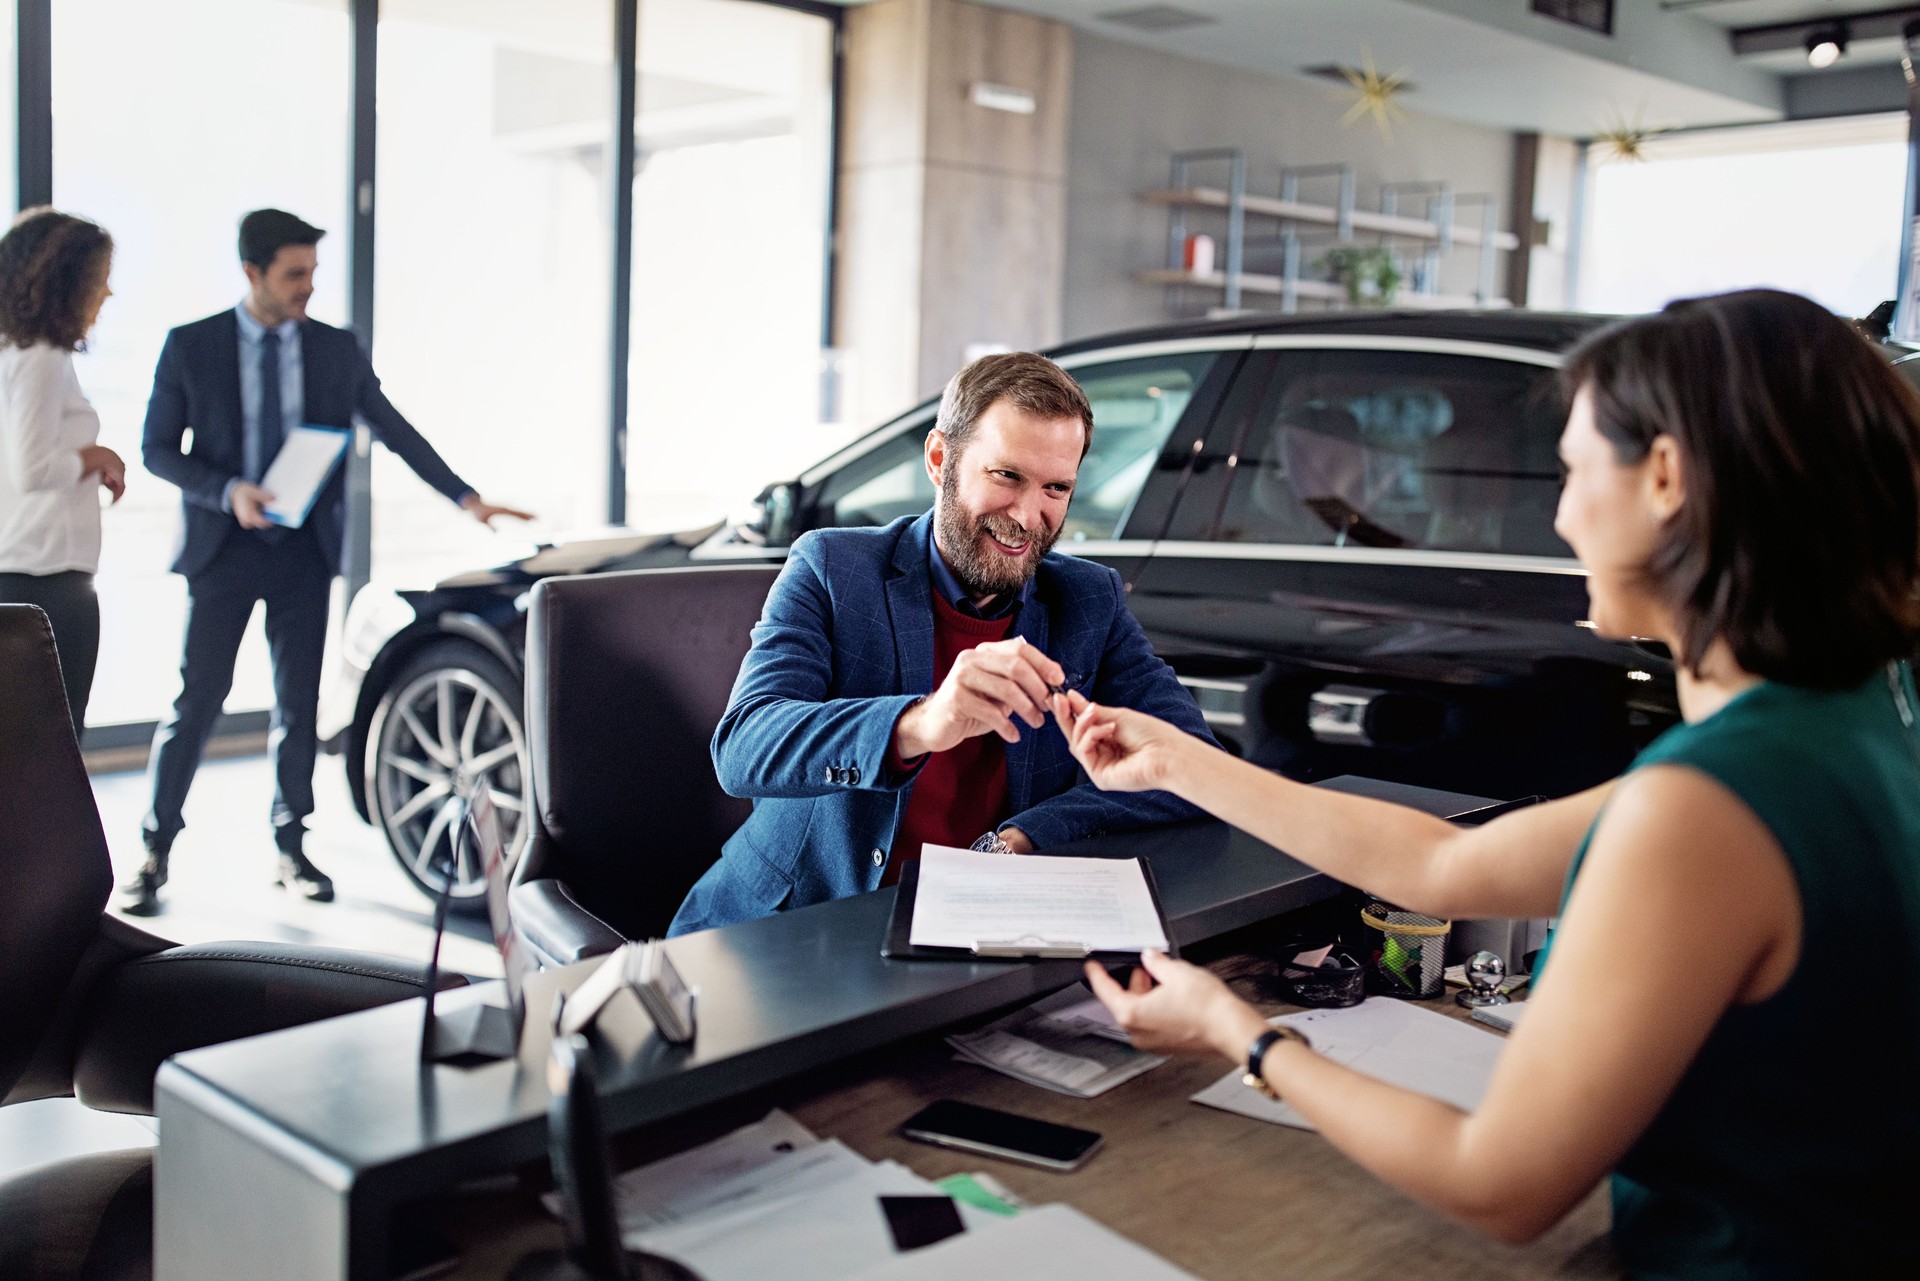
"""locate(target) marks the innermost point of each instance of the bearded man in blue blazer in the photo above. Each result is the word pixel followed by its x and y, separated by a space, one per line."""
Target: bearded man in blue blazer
pixel 896 693
pixel 241 380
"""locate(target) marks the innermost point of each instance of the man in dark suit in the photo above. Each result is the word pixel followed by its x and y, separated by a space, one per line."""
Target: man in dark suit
pixel 898 687
pixel 240 381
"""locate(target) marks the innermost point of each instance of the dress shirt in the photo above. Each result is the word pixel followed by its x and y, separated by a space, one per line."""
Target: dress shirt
pixel 49 511
pixel 293 406
pixel 948 588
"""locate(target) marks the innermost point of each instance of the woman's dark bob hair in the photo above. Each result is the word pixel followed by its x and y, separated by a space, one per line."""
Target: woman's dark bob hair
pixel 1799 540
pixel 50 264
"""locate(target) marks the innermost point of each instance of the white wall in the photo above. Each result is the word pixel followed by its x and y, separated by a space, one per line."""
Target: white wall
pixel 1134 107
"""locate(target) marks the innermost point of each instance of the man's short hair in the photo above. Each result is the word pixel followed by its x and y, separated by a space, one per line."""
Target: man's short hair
pixel 1032 382
pixel 265 232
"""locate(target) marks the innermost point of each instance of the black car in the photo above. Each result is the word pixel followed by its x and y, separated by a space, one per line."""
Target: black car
pixel 1338 530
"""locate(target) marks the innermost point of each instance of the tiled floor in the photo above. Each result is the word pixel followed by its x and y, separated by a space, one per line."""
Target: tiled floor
pixel 221 888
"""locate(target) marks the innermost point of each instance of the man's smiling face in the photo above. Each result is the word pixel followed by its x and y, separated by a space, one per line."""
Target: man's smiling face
pixel 1003 499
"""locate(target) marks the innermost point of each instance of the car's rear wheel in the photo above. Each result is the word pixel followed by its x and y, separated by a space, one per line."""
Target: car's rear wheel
pixel 451 714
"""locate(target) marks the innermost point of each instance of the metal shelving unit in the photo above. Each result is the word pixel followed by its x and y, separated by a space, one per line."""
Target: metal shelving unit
pixel 1433 234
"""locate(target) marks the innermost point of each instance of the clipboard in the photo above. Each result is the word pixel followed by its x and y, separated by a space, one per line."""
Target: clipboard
pixel 306 462
pixel 898 944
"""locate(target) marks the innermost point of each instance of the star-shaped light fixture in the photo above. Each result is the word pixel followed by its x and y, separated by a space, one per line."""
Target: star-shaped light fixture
pixel 1374 95
pixel 1623 139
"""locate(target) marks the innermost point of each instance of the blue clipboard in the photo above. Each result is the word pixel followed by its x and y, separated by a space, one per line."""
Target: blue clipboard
pixel 306 462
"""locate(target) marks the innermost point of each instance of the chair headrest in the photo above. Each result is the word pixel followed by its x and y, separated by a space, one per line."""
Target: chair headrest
pixel 627 677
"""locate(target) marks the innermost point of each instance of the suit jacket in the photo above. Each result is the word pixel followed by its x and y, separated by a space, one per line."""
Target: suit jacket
pixel 844 645
pixel 197 385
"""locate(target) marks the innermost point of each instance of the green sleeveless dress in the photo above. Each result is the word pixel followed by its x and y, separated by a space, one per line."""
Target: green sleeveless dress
pixel 1791 1147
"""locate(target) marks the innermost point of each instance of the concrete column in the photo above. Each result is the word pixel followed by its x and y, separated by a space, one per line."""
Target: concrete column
pixel 1544 191
pixel 953 214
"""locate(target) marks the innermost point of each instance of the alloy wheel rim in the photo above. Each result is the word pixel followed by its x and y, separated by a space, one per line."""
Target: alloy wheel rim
pixel 438 734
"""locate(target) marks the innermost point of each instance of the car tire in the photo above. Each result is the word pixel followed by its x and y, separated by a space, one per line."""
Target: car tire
pixel 451 712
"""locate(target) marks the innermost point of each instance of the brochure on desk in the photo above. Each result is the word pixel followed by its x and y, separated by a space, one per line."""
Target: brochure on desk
pixel 1025 907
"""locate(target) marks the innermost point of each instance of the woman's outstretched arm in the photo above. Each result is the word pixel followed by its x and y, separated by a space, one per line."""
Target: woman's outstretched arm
pixel 1514 866
pixel 1635 987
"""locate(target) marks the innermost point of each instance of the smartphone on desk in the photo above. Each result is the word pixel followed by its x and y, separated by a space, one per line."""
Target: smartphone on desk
pixel 968 1127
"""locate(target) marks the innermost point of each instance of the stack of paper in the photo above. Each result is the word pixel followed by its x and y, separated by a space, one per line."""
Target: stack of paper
pixel 772 1200
pixel 1389 1040
pixel 1067 1043
pixel 1005 902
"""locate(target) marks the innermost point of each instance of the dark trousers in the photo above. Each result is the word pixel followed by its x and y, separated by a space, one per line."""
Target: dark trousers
pixel 288 574
pixel 74 612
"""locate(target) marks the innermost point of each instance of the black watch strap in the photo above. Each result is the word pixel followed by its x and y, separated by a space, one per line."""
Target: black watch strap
pixel 1257 1052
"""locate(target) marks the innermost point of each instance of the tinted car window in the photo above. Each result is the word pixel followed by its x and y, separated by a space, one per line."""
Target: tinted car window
pixel 1401 449
pixel 1136 404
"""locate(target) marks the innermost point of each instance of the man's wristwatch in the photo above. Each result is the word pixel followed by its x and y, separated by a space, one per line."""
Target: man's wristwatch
pixel 1257 1058
pixel 991 844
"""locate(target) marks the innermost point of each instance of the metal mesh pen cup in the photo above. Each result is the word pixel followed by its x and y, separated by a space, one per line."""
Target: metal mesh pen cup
pixel 1409 956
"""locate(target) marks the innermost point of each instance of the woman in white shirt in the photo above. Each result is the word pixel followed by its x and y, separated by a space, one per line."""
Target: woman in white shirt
pixel 53 280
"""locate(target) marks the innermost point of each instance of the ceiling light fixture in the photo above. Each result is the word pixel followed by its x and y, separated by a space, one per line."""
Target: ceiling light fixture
pixel 1825 45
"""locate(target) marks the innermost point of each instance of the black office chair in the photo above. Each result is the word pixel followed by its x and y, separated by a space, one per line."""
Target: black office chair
pixel 627 677
pixel 90 1005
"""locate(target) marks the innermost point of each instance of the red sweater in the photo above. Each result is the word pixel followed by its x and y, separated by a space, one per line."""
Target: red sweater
pixel 961 793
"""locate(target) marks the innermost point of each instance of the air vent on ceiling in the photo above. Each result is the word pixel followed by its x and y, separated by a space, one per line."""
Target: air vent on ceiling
pixel 1344 75
pixel 1156 17
pixel 1593 15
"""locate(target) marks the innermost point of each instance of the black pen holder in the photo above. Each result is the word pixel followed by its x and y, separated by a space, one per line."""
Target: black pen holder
pixel 1337 982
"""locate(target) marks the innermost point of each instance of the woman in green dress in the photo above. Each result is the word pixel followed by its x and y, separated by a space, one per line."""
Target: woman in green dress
pixel 1730 1022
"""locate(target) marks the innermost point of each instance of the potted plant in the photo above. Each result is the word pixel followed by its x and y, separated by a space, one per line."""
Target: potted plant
pixel 1371 275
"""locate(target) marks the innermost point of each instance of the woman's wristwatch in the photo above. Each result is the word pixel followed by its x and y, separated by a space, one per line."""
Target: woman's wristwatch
pixel 1257 1057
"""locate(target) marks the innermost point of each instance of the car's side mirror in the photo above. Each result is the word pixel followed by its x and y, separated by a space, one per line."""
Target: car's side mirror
pixel 769 523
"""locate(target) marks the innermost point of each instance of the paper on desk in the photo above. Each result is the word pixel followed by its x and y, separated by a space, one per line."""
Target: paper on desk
pixel 755 1160
pixel 965 898
pixel 294 478
pixel 1389 1040
pixel 1041 1245
pixel 1057 1044
pixel 836 1230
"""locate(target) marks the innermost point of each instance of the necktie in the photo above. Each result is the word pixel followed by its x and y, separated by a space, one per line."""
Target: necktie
pixel 273 430
pixel 272 427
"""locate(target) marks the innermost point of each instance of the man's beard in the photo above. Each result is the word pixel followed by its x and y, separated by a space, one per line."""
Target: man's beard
pixel 983 570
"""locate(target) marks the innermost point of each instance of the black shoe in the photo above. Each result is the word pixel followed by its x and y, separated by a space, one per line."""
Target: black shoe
pixel 140 893
pixel 303 878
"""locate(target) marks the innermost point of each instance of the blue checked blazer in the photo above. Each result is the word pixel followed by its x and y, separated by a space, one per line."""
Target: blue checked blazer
pixel 844 645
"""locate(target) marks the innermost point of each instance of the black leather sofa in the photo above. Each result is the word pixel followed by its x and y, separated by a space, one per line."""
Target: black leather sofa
pixel 90 1006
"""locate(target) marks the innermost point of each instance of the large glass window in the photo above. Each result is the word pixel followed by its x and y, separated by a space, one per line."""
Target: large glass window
pixel 1811 206
pixel 492 262
pixel 9 101
pixel 246 107
pixel 1401 449
pixel 735 139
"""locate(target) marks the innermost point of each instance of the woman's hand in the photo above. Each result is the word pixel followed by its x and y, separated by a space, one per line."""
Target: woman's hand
pixel 1181 1009
pixel 110 466
pixel 1122 750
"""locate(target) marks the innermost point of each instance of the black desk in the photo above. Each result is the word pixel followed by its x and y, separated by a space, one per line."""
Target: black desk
pixel 286 1155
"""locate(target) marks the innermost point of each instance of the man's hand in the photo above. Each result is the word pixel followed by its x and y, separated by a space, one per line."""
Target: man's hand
pixel 111 468
pixel 1017 841
pixel 988 687
pixel 484 512
pixel 249 503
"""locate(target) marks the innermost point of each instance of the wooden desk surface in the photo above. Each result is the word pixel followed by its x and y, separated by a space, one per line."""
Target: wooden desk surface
pixel 1225 1197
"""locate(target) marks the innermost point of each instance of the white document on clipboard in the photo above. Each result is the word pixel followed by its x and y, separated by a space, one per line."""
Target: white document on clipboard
pixel 1010 902
pixel 298 472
